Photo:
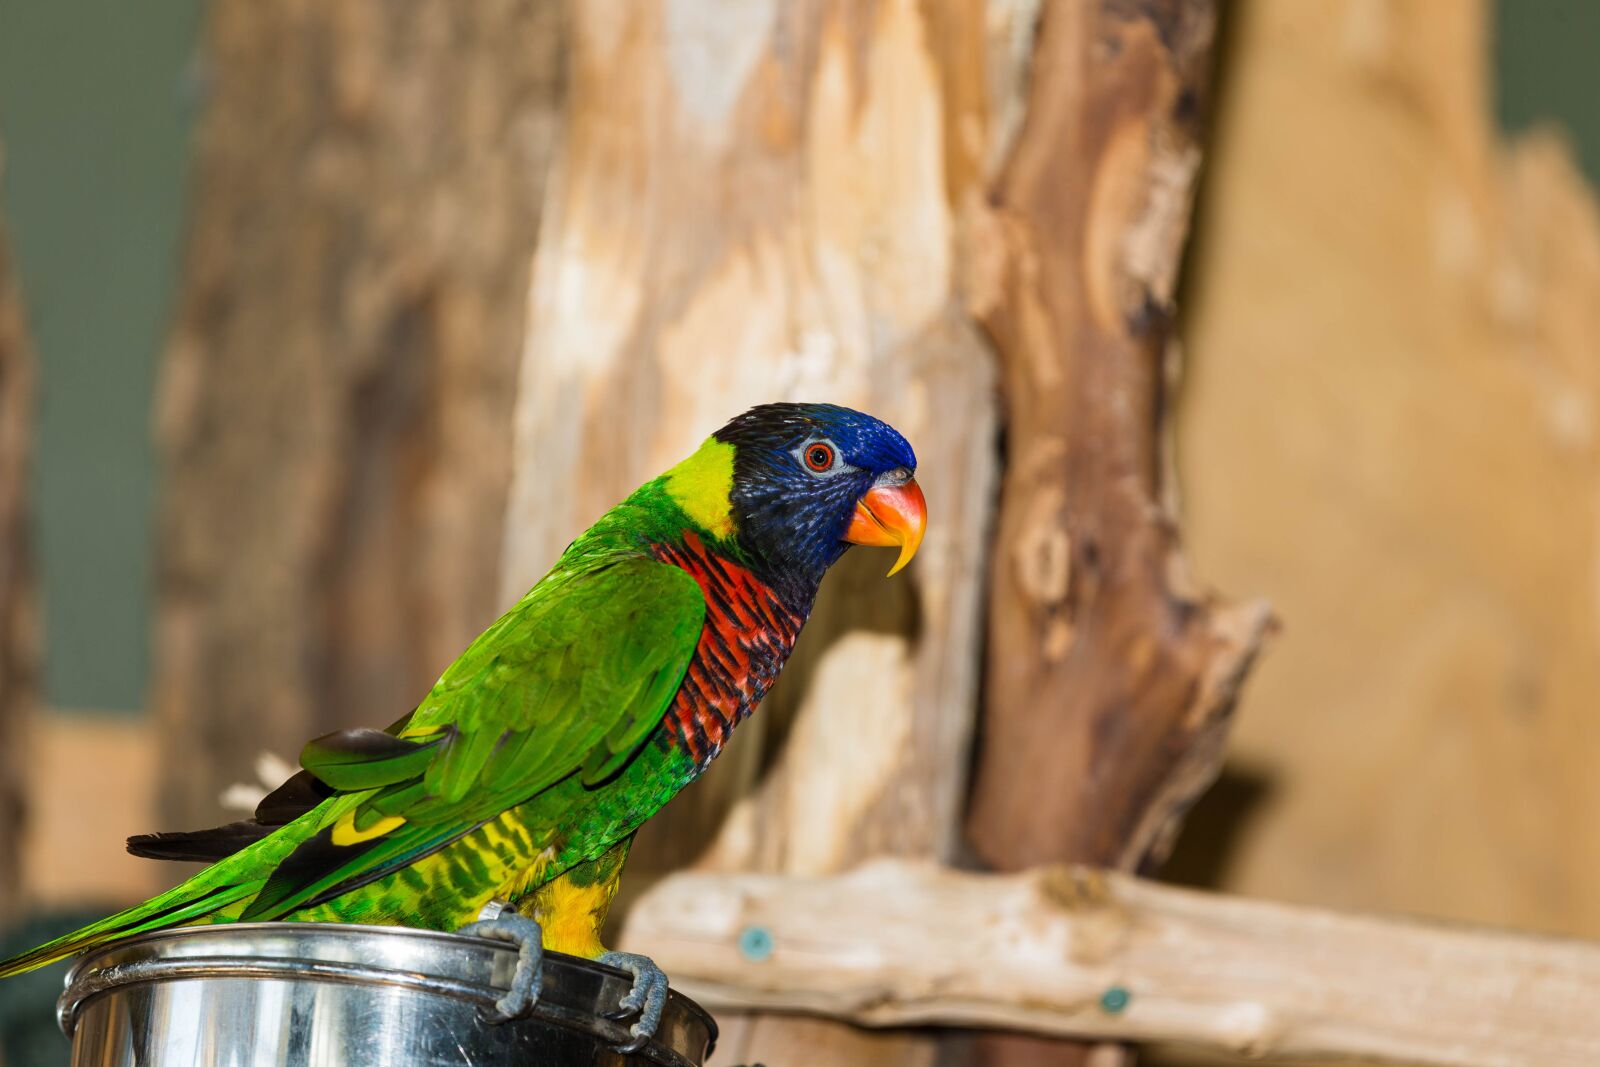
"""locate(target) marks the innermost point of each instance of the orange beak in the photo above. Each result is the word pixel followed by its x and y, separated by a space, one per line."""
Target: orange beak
pixel 890 515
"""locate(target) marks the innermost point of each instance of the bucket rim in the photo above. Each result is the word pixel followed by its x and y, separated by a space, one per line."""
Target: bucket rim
pixel 100 971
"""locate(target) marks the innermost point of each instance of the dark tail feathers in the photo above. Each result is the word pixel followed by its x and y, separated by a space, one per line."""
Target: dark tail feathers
pixel 200 846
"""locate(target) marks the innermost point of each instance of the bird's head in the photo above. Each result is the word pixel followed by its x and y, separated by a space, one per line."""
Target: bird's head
pixel 794 485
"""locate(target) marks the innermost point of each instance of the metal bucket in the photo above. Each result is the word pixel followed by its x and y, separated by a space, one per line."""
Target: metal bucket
pixel 325 995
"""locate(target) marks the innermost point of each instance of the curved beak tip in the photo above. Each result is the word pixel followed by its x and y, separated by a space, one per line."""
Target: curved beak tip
pixel 891 516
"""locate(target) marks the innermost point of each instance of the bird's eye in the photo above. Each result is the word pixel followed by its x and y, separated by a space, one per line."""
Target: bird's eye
pixel 819 456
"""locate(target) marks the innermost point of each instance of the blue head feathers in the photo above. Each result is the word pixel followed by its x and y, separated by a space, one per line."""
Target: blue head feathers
pixel 801 479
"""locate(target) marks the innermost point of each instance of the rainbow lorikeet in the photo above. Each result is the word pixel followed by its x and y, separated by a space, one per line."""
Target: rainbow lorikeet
pixel 504 804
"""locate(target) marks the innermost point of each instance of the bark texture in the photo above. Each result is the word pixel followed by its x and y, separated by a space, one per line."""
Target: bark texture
pixel 761 201
pixel 1110 677
pixel 18 621
pixel 336 401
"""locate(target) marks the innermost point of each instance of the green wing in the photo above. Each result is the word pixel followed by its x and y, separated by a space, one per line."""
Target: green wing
pixel 570 681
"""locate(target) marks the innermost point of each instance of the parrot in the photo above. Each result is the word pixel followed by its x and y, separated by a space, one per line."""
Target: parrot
pixel 503 805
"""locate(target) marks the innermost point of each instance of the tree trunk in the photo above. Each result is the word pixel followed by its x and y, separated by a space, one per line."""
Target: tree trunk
pixel 18 622
pixel 758 201
pixel 336 400
pixel 1110 677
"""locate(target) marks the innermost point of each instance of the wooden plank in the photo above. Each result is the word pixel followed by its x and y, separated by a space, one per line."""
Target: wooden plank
pixel 19 644
pixel 335 407
pixel 760 201
pixel 1087 953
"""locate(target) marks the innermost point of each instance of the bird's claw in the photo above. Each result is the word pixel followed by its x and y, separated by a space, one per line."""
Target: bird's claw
pixel 647 998
pixel 526 980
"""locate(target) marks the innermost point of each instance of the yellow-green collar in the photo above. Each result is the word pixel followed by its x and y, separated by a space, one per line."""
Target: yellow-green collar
pixel 702 486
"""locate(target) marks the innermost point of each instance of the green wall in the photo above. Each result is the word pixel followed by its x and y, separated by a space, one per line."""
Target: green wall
pixel 95 105
pixel 1546 53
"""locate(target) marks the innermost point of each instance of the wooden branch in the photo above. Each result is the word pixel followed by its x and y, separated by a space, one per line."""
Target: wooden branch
pixel 1103 665
pixel 1110 677
pixel 1085 953
pixel 336 399
pixel 18 634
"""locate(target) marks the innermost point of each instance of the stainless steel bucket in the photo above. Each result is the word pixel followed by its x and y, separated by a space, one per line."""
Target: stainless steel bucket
pixel 323 995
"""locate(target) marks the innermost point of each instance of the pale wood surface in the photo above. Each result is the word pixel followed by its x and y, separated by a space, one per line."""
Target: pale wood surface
pixel 897 943
pixel 759 201
pixel 335 407
pixel 1392 430
pixel 94 777
pixel 19 646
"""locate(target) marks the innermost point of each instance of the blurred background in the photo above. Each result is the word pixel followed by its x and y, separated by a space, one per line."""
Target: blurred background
pixel 316 389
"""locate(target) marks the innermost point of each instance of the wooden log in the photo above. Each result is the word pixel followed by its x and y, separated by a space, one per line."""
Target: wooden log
pixel 1110 675
pixel 19 657
pixel 336 398
pixel 1088 953
pixel 760 201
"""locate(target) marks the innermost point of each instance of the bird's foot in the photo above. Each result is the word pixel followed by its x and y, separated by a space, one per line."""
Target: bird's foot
pixel 647 998
pixel 523 932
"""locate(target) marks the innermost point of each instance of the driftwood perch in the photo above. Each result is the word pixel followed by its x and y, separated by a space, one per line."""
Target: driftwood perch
pixel 1077 952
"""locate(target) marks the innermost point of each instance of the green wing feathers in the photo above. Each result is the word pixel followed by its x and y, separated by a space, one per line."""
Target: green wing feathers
pixel 352 760
pixel 571 681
